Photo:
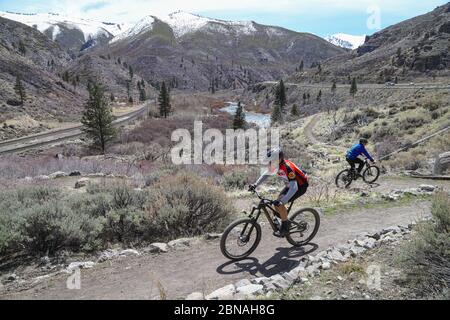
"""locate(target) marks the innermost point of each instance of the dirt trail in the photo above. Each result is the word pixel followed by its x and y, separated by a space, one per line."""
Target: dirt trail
pixel 308 130
pixel 202 267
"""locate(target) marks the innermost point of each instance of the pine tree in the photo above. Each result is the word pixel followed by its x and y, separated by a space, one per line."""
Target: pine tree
pixel 319 96
pixel 129 90
pixel 20 90
pixel 280 95
pixel 294 110
pixel 142 94
pixel 301 66
pixel 333 87
pixel 304 98
pixel 164 101
pixel 276 114
pixel 22 48
pixel 112 98
pixel 130 70
pixel 239 118
pixel 97 118
pixel 213 88
pixel 353 88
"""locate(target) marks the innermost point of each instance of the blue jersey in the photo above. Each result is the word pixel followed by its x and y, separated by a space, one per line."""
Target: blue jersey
pixel 357 150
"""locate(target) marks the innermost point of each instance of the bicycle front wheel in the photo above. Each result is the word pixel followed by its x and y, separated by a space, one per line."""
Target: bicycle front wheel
pixel 371 174
pixel 344 179
pixel 240 239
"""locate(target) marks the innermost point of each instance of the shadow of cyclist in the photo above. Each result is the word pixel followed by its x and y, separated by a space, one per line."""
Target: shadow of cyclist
pixel 284 260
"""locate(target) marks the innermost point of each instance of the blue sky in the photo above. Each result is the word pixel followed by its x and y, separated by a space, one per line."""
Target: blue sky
pixel 321 17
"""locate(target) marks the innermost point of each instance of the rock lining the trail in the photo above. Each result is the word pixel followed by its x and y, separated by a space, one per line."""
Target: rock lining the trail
pixel 423 189
pixel 309 266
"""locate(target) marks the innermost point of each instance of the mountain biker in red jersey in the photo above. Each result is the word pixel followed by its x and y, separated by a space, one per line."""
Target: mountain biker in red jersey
pixel 296 182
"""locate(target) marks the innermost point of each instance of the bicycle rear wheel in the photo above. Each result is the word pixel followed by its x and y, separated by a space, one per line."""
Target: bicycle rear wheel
pixel 344 179
pixel 305 224
pixel 371 174
pixel 240 239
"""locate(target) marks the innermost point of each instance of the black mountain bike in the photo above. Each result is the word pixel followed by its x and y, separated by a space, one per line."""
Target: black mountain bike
pixel 242 237
pixel 370 175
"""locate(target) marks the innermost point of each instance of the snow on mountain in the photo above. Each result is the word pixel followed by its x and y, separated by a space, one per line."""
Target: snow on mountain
pixel 183 23
pixel 45 22
pixel 346 40
pixel 143 25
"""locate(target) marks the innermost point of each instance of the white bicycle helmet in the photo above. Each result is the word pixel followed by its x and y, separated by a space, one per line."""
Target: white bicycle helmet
pixel 274 154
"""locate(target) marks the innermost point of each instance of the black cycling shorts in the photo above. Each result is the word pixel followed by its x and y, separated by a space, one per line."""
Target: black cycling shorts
pixel 301 191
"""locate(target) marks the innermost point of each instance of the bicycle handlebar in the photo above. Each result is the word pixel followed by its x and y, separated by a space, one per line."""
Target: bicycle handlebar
pixel 261 197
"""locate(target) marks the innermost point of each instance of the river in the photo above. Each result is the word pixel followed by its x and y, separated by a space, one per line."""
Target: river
pixel 261 120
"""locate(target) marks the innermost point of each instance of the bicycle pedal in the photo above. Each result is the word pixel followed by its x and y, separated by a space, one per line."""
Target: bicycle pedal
pixel 278 235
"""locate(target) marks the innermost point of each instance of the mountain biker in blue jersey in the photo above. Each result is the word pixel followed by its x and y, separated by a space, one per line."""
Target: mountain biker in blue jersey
pixel 356 151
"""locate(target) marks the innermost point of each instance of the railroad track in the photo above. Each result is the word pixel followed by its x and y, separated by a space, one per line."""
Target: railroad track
pixel 49 137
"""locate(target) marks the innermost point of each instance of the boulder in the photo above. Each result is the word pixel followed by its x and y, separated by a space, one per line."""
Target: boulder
pixel 291 277
pixel 337 255
pixel 356 250
pixel 427 188
pixel 97 175
pixel 250 290
pixel 326 265
pixel 58 174
pixel 129 252
pixel 370 243
pixel 387 239
pixel 260 280
pixel 279 282
pixel 42 177
pixel 82 183
pixel 107 255
pixel 80 265
pixel 243 283
pixel 225 293
pixel 195 296
pixel 157 248
pixel 391 229
pixel 313 270
pixel 212 236
pixel 180 243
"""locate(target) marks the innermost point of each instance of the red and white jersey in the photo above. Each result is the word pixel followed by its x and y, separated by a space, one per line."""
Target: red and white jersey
pixel 288 171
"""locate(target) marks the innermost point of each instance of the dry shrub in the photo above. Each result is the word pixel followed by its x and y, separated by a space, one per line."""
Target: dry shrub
pixel 185 205
pixel 321 192
pixel 426 259
pixel 411 160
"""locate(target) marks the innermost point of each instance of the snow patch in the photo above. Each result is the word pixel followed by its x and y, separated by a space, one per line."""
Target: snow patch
pixel 44 21
pixel 346 40
pixel 145 24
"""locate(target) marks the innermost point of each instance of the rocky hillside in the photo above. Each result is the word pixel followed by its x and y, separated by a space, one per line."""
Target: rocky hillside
pixel 415 48
pixel 54 83
pixel 72 34
pixel 193 52
pixel 29 54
